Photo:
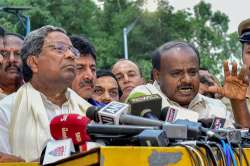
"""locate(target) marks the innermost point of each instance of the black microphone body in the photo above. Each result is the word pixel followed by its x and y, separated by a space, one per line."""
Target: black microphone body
pixel 92 113
pixel 148 106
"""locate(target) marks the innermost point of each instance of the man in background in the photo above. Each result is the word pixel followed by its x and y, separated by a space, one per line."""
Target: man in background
pixel 107 88
pixel 11 77
pixel 84 82
pixel 128 75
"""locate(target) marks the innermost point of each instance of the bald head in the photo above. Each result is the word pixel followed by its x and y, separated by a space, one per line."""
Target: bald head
pixel 128 76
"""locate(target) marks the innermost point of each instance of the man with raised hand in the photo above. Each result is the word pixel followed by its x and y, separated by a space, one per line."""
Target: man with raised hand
pixel 176 73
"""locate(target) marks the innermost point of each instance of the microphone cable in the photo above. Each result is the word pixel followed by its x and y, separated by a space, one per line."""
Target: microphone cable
pixel 220 149
pixel 206 156
pixel 231 153
pixel 245 157
pixel 194 160
pixel 209 151
pixel 227 152
pixel 201 161
pixel 238 154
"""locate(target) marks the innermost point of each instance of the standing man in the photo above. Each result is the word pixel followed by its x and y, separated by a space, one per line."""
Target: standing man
pixel 176 73
pixel 49 69
pixel 128 75
pixel 11 77
pixel 84 82
pixel 244 37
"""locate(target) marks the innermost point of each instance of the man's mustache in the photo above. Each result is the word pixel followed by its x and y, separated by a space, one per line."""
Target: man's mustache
pixel 185 86
pixel 86 83
pixel 19 69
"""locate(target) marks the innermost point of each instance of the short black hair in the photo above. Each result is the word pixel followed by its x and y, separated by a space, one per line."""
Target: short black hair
pixel 83 45
pixel 105 72
pixel 156 56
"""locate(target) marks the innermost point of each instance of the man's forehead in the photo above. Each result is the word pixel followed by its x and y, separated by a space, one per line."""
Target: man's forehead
pixel 57 36
pixel 106 80
pixel 86 59
pixel 204 72
pixel 246 46
pixel 13 41
pixel 179 56
pixel 125 66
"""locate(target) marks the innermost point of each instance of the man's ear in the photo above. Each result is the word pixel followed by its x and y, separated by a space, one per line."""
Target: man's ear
pixel 156 75
pixel 32 63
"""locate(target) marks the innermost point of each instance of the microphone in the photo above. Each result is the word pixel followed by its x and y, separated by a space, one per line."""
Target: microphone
pixel 92 113
pixel 172 113
pixel 77 128
pixel 115 113
pixel 72 126
pixel 112 112
pixel 178 131
pixel 213 123
pixel 117 129
pixel 148 106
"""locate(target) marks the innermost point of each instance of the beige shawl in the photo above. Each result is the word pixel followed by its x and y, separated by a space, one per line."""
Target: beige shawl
pixel 29 126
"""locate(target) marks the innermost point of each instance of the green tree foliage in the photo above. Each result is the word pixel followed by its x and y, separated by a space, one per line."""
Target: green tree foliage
pixel 103 25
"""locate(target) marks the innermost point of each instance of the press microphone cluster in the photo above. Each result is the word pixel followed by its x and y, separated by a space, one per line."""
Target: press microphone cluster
pixel 78 128
pixel 141 124
pixel 116 113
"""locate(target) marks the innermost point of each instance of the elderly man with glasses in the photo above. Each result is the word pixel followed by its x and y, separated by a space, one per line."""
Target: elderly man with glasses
pixel 11 65
pixel 49 68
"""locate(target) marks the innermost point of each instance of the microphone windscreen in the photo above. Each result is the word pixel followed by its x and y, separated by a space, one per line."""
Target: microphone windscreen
pixel 147 102
pixel 92 113
pixel 72 126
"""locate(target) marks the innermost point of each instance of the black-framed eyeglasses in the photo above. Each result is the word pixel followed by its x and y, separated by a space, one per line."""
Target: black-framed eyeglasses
pixel 62 48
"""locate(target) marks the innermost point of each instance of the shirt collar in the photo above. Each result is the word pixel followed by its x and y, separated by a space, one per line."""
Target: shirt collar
pixel 46 100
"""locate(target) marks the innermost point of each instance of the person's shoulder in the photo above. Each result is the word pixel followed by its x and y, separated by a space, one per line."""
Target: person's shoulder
pixel 8 100
pixel 79 99
pixel 213 102
pixel 6 106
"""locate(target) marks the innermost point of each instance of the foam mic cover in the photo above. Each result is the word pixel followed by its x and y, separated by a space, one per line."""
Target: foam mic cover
pixel 72 126
pixel 92 113
pixel 148 106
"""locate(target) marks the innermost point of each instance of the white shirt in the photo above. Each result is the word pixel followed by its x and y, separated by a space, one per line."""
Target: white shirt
pixel 52 110
pixel 204 106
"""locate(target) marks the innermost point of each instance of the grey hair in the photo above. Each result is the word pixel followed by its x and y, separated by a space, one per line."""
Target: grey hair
pixel 33 44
